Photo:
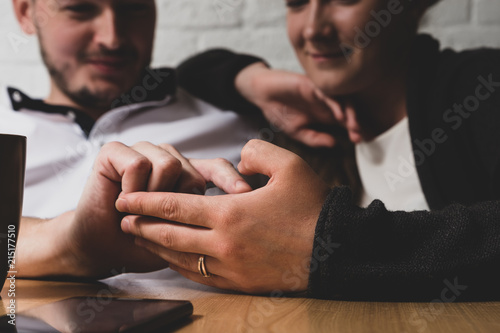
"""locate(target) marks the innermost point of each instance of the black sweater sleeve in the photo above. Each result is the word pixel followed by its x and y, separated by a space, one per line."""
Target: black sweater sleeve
pixel 211 76
pixel 373 254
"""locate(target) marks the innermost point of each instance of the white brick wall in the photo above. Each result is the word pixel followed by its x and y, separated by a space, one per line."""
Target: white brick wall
pixel 254 26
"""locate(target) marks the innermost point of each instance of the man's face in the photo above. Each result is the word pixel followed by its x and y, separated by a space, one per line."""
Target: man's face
pixel 95 50
pixel 324 33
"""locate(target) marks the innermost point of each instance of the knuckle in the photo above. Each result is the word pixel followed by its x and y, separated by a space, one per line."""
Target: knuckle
pixel 223 162
pixel 169 208
pixel 252 144
pixel 110 146
pixel 170 164
pixel 252 148
pixel 141 144
pixel 136 228
pixel 167 237
pixel 140 164
pixel 167 147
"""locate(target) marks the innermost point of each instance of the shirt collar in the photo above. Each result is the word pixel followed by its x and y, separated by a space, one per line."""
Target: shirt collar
pixel 155 85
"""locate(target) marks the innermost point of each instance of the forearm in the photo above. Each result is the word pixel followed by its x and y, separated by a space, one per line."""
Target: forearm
pixel 211 76
pixel 384 255
pixel 42 248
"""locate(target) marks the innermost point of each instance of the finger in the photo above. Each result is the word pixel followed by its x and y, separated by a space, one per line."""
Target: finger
pixel 187 261
pixel 189 209
pixel 333 105
pixel 352 119
pixel 166 168
pixel 223 174
pixel 352 125
pixel 314 138
pixel 264 158
pixel 315 106
pixel 170 235
pixel 120 163
pixel 190 180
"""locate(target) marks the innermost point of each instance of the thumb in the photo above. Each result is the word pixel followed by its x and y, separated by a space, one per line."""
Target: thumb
pixel 264 158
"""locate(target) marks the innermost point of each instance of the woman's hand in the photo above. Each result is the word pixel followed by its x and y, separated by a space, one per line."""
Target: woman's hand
pixel 254 242
pixel 292 103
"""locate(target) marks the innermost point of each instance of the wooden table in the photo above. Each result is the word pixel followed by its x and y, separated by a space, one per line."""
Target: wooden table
pixel 219 311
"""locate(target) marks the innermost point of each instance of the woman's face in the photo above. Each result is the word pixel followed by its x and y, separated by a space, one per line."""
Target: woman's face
pixel 347 46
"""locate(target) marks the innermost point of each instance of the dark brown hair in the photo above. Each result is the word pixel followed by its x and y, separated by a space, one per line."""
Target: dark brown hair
pixel 432 2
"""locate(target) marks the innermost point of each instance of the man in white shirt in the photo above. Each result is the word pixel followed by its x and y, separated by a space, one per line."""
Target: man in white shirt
pixel 103 98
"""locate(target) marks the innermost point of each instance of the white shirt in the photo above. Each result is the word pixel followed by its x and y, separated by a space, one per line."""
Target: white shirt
pixel 387 170
pixel 60 156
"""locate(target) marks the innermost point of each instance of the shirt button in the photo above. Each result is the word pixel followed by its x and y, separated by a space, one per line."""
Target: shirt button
pixel 71 115
pixel 16 96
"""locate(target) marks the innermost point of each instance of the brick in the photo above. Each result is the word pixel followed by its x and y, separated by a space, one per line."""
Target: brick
pixel 199 14
pixel 17 47
pixel 31 79
pixel 270 43
pixel 172 46
pixel 7 17
pixel 488 12
pixel 265 13
pixel 461 39
pixel 448 13
pixel 253 26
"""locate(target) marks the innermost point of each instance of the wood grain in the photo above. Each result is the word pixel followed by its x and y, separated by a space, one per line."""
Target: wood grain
pixel 222 311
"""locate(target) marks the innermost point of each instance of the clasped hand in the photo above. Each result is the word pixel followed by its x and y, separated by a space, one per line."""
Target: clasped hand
pixel 93 237
pixel 253 241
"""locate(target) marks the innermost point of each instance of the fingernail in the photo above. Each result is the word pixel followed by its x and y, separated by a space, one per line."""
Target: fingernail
pixel 122 205
pixel 126 225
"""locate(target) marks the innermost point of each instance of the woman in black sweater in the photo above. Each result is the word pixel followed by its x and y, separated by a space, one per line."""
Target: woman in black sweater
pixel 403 103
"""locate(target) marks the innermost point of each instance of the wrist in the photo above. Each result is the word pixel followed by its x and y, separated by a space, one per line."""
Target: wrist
pixel 246 81
pixel 45 250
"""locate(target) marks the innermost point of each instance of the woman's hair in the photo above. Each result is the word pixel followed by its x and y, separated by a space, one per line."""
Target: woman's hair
pixel 433 2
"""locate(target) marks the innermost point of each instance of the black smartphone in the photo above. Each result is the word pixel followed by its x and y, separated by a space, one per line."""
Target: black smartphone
pixel 91 315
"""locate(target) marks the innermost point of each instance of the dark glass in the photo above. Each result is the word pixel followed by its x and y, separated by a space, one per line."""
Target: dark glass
pixel 12 167
pixel 86 315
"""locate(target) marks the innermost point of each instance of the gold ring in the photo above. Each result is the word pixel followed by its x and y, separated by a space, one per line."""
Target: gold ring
pixel 202 268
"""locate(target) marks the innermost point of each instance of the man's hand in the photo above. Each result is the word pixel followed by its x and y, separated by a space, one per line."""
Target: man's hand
pixel 254 242
pixel 292 103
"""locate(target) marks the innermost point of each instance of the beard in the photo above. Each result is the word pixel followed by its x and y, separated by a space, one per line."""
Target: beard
pixel 87 98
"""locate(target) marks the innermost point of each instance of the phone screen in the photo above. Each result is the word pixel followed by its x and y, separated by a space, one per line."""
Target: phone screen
pixel 85 315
